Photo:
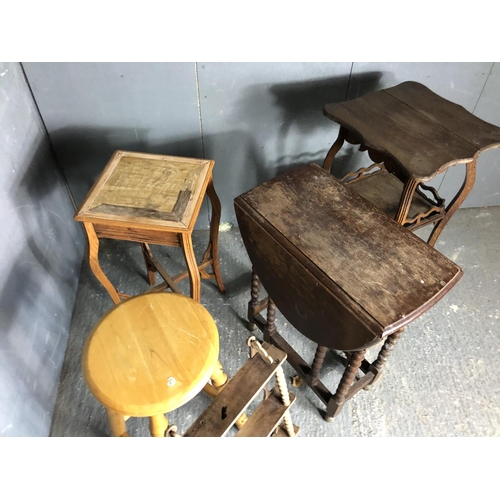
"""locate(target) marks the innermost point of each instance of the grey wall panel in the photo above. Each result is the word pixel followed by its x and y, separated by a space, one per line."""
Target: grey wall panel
pixel 41 250
pixel 486 191
pixel 260 119
pixel 92 109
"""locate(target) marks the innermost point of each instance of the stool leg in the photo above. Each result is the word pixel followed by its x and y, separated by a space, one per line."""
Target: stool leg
pixel 193 271
pixel 219 380
pixel 214 233
pixel 116 423
pixel 218 377
pixel 158 425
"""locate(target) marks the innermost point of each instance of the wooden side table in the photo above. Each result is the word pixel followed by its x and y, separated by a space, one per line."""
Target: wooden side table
pixel 343 274
pixel 412 135
pixel 150 355
pixel 153 199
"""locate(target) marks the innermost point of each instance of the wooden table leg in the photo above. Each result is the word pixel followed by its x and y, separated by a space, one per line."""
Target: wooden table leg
pixel 378 365
pixel 327 164
pixel 270 328
pixel 94 262
pixel 319 358
pixel 117 423
pixel 158 425
pixel 468 184
pixel 254 302
pixel 150 267
pixel 405 202
pixel 214 233
pixel 194 272
pixel 340 397
pixel 219 380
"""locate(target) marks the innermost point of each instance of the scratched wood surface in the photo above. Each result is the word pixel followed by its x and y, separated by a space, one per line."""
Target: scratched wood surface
pixel 384 190
pixel 250 379
pixel 151 354
pixel 359 271
pixel 422 132
pixel 154 189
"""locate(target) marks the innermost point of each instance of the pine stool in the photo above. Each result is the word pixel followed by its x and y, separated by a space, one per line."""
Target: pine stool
pixel 150 355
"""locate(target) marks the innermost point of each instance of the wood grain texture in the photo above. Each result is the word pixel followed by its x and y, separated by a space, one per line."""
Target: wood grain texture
pixel 344 267
pixel 420 131
pixel 219 417
pixel 264 420
pixel 141 235
pixel 453 117
pixel 153 190
pixel 384 190
pixel 151 354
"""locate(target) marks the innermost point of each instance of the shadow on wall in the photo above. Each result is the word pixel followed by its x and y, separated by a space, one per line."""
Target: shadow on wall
pixel 83 152
pixel 301 120
pixel 242 162
pixel 39 289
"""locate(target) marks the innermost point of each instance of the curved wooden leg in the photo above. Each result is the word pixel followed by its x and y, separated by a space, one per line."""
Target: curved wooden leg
pixel 158 425
pixel 194 273
pixel 117 423
pixel 405 202
pixel 327 164
pixel 468 184
pixel 214 233
pixel 94 262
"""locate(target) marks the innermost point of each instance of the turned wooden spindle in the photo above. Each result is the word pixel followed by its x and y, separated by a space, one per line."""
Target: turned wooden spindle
pixel 254 302
pixel 285 397
pixel 319 358
pixel 348 376
pixel 386 350
pixel 270 328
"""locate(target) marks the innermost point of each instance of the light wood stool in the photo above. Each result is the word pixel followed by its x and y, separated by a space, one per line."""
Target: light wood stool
pixel 150 355
pixel 153 199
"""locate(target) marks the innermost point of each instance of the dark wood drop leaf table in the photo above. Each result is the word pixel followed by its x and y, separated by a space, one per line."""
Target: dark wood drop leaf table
pixel 342 272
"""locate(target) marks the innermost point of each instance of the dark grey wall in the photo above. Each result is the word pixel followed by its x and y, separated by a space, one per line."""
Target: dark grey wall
pixel 40 257
pixel 254 119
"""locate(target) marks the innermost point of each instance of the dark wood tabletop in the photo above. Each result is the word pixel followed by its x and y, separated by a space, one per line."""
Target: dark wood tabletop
pixel 341 271
pixel 420 131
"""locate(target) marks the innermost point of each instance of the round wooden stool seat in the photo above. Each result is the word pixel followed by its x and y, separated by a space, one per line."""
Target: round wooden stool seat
pixel 150 355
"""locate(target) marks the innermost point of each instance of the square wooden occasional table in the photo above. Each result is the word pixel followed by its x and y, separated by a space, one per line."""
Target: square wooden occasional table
pixel 342 272
pixel 153 199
